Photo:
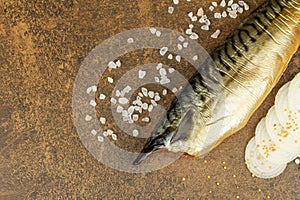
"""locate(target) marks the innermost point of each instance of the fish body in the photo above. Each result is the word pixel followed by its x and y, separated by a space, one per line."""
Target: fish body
pixel 249 64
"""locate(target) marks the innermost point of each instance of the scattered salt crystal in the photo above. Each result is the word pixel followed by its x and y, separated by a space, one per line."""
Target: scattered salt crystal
pixel 174 90
pixel 119 109
pixel 156 79
pixel 93 103
pixel 113 100
pixel 178 58
pixel 162 71
pixel 127 89
pixel 89 90
pixel 180 88
pixel 190 14
pixel 145 119
pixel 216 34
pixel 88 118
pixel 100 138
pixel 94 88
pixel 191 26
pixel 159 65
pixel 152 30
pixel 234 6
pixel 135 133
pixel 163 50
pixel 130 110
pixel 144 106
pixel 105 134
pixel 118 63
pixel 130 40
pixel 241 3
pixel 164 80
pixel 176 2
pixel 135 117
pixel 205 27
pixel 200 12
pixel 188 0
pixel 158 33
pixel 179 46
pixel 142 74
pixel 123 100
pixel 144 91
pixel 195 57
pixel 93 132
pixel 125 113
pixel 223 3
pixel 224 14
pixel 110 132
pixel 240 10
pixel 194 18
pixel 211 8
pixel 112 65
pixel 110 80
pixel 170 9
pixel 114 136
pixel 164 92
pixel 150 108
pixel 194 36
pixel 151 94
pixel 153 102
pixel 180 38
pixel 102 96
pixel 188 31
pixel 102 120
pixel 233 14
pixel 217 15
pixel 170 56
pixel 207 22
pixel 297 161
pixel 246 6
pixel 185 44
pixel 156 98
pixel 229 2
pixel 214 4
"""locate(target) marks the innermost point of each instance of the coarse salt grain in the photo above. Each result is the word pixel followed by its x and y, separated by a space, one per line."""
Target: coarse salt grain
pixel 159 65
pixel 170 10
pixel 194 36
pixel 170 56
pixel 110 132
pixel 188 31
pixel 114 136
pixel 105 134
pixel 233 14
pixel 152 30
pixel 123 100
pixel 224 14
pixel 195 57
pixel 164 81
pixel 135 133
pixel 163 51
pixel 110 80
pixel 146 119
pixel 94 132
pixel 88 118
pixel 144 91
pixel 217 15
pixel 211 8
pixel 179 46
pixel 158 33
pixel 190 14
pixel 246 7
pixel 164 92
pixel 100 138
pixel 113 100
pixel 181 38
pixel 178 58
pixel 112 65
pixel 151 94
pixel 191 26
pixel 102 96
pixel 135 117
pixel 102 120
pixel 185 44
pixel 156 79
pixel 118 63
pixel 223 3
pixel 156 98
pixel 162 72
pixel 93 103
pixel 214 4
pixel 205 27
pixel 234 6
pixel 200 12
pixel 216 34
pixel 229 2
pixel 150 108
pixel 174 90
pixel 240 10
pixel 130 40
pixel 142 74
pixel 176 2
pixel 119 109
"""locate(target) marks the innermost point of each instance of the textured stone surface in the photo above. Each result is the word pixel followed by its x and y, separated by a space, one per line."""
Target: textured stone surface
pixel 42 45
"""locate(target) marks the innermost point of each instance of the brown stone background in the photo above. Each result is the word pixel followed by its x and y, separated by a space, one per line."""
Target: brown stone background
pixel 43 44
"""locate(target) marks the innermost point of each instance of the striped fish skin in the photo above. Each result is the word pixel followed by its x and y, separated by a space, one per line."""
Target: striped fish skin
pixel 250 63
